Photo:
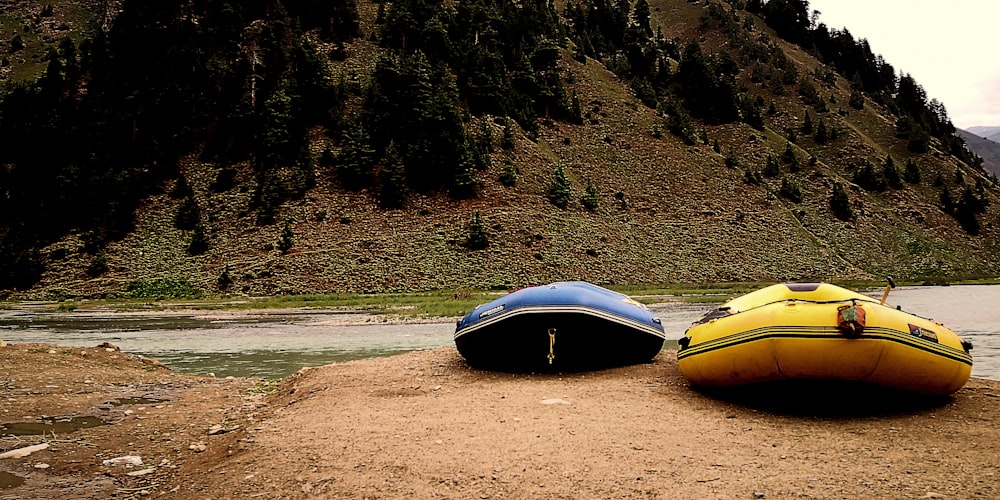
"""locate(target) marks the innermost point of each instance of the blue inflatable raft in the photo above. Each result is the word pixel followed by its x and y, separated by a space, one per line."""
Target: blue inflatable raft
pixel 564 326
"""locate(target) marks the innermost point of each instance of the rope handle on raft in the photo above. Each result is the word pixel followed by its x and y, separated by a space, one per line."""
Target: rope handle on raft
pixel 552 344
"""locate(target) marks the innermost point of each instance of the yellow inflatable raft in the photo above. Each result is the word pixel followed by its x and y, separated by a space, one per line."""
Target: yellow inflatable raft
pixel 823 332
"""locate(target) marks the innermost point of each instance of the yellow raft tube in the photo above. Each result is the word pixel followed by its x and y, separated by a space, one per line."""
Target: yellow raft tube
pixel 820 331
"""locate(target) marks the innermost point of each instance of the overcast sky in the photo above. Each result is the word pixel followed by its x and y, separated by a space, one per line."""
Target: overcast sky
pixel 948 46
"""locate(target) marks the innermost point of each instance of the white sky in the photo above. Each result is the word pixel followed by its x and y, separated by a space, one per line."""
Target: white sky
pixel 948 46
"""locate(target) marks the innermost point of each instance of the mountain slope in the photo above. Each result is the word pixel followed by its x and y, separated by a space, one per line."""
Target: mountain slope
pixel 668 211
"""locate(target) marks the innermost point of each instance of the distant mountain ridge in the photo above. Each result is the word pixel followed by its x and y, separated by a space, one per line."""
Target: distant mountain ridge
pixel 990 133
pixel 988 149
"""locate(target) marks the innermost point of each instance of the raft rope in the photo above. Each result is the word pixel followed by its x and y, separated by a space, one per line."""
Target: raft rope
pixel 552 344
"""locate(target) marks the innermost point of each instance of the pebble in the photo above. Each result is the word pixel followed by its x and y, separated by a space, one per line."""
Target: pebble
pixel 23 452
pixel 142 472
pixel 554 401
pixel 198 447
pixel 41 466
pixel 125 460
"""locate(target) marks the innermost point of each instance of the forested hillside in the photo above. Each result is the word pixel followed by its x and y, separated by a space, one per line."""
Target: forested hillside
pixel 186 147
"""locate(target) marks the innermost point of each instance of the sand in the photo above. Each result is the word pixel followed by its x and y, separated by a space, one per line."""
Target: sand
pixel 425 425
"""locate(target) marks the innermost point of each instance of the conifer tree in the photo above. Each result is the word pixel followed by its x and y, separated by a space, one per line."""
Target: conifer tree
pixel 187 215
pixel 392 179
pixel 788 156
pixel 947 203
pixel 821 135
pixel 286 240
pixel 840 204
pixel 357 158
pixel 560 189
pixel 869 179
pixel 891 173
pixel 508 176
pixel 199 240
pixel 478 237
pixel 771 167
pixel 911 173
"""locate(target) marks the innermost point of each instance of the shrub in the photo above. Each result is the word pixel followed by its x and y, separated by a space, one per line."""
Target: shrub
pixel 98 265
pixel 790 191
pixel 162 288
pixel 857 100
pixel 225 279
pixel 752 177
pixel 589 199
pixel 868 179
pixel 286 239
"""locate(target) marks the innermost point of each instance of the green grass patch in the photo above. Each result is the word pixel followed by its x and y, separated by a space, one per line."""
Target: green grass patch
pixel 163 288
pixel 162 294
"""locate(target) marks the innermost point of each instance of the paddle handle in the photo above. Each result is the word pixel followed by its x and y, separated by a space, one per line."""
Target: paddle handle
pixel 888 287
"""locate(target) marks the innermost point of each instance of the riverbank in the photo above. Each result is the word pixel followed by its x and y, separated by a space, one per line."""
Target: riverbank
pixel 425 425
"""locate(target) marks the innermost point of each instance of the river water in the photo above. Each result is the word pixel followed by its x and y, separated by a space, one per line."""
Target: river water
pixel 272 345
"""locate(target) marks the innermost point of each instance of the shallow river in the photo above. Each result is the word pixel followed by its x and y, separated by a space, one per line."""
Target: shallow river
pixel 276 345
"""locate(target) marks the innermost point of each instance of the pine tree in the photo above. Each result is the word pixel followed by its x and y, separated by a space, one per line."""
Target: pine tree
pixel 857 100
pixel 788 156
pixel 392 178
pixel 507 139
pixel 840 204
pixel 891 173
pixel 947 203
pixel 478 237
pixel 771 167
pixel 187 215
pixel 560 189
pixel 509 174
pixel 286 239
pixel 199 240
pixel 821 135
pixel 911 173
pixel 868 179
pixel 357 158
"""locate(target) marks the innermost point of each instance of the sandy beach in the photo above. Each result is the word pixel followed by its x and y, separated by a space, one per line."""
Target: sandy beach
pixel 425 425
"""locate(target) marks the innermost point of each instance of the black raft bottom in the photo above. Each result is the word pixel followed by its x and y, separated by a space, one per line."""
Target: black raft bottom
pixel 581 342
